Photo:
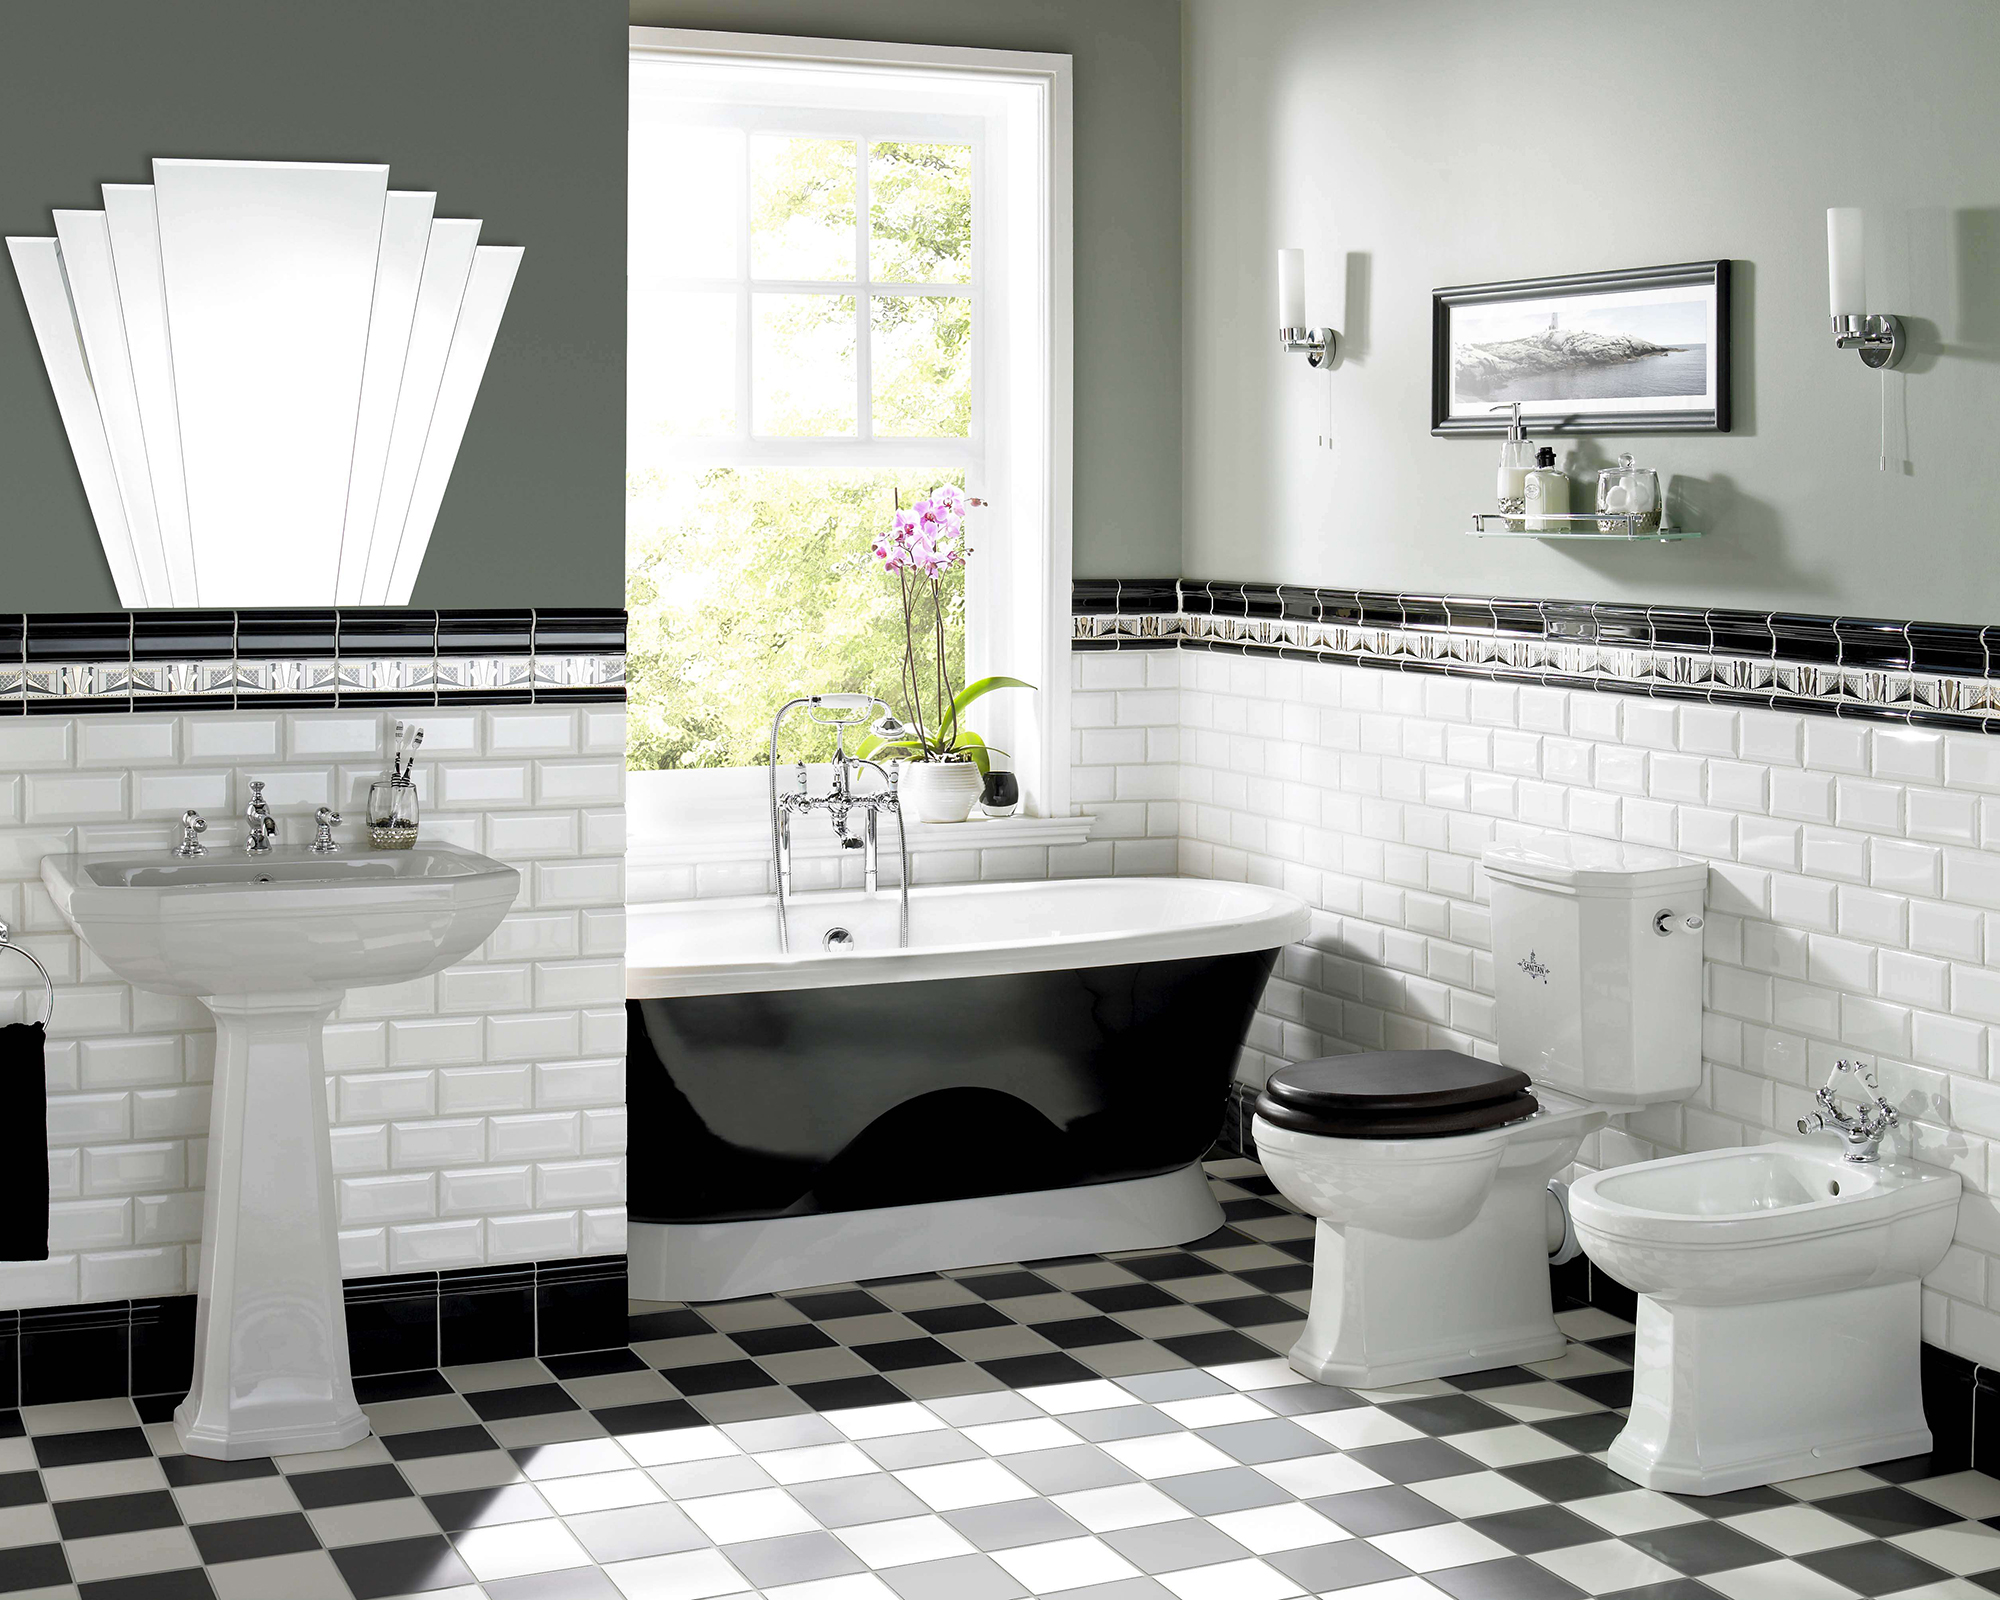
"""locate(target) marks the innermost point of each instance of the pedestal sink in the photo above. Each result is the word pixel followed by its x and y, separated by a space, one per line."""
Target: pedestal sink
pixel 269 943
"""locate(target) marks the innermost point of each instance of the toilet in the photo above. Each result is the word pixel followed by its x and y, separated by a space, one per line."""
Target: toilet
pixel 1427 1171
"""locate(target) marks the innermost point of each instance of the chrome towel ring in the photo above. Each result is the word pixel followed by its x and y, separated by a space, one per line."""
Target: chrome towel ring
pixel 7 943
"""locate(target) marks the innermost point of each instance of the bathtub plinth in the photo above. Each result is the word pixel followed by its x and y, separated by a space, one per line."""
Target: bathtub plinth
pixel 724 1260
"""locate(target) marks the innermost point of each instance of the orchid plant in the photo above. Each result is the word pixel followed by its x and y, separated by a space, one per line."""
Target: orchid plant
pixel 922 545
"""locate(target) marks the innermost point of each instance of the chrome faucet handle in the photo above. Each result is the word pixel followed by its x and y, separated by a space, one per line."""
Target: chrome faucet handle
pixel 1862 1133
pixel 324 843
pixel 263 827
pixel 193 825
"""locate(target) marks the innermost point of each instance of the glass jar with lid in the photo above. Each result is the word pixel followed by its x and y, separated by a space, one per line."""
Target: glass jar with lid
pixel 1628 491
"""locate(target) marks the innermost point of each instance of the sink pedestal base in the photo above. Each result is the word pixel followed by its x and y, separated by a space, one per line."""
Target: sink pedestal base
pixel 270 1374
pixel 1725 1397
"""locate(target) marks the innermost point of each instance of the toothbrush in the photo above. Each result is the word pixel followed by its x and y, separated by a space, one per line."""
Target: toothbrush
pixel 396 759
pixel 410 760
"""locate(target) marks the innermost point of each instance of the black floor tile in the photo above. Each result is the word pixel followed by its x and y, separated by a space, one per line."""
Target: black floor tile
pixel 184 1472
pixel 1127 1297
pixel 1532 1528
pixel 83 1449
pixel 1493 1378
pixel 529 1400
pixel 117 1513
pixel 842 1394
pixel 650 1416
pixel 1007 1285
pixel 718 1377
pixel 157 1407
pixel 1592 1434
pixel 1884 1513
pixel 1028 1372
pixel 1672 1589
pixel 1873 1568
pixel 781 1341
pixel 21 1489
pixel 1697 1548
pixel 958 1319
pixel 1163 1268
pixel 594 1363
pixel 1252 1311
pixel 899 1355
pixel 1368 1512
pixel 1415 1460
pixel 1080 1333
pixel 249 1538
pixel 1735 1502
pixel 401 1566
pixel 1620 1347
pixel 349 1486
pixel 189 1584
pixel 1447 1414
pixel 1306 1399
pixel 481 1508
pixel 1221 1349
pixel 832 1306
pixel 1567 1478
pixel 643 1326
pixel 1612 1389
pixel 33 1566
pixel 1908 1469
pixel 437 1442
pixel 1279 1280
pixel 1514 1578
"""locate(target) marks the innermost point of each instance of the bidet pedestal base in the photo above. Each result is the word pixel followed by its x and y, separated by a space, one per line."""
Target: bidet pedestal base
pixel 270 1374
pixel 1389 1310
pixel 1725 1397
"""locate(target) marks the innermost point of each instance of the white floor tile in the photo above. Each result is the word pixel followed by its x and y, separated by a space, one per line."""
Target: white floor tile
pixel 305 1575
pixel 1214 1410
pixel 1059 1399
pixel 372 1522
pixel 903 1541
pixel 1510 1447
pixel 1044 1569
pixel 1268 1528
pixel 600 1491
pixel 518 1548
pixel 1449 1544
pixel 754 1514
pixel 1167 1455
pixel 1231 1580
pixel 1971 1494
pixel 1363 1425
pixel 814 1462
pixel 78 1416
pixel 959 1484
pixel 1013 1438
pixel 1776 1580
pixel 1476 1494
pixel 1634 1511
pixel 884 1422
pixel 125 1555
pixel 1311 1476
pixel 1605 1568
pixel 692 1575
pixel 1795 1530
pixel 1959 1547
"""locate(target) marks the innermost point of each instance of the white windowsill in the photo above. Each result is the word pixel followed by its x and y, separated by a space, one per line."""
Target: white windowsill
pixel 693 846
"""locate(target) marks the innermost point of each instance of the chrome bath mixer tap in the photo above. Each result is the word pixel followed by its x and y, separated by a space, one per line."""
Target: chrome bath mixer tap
pixel 263 827
pixel 854 815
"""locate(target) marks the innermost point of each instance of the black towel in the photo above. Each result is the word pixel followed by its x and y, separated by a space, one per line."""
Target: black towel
pixel 24 1144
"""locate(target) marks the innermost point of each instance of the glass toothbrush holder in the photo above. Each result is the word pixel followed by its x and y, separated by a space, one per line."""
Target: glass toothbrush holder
pixel 392 814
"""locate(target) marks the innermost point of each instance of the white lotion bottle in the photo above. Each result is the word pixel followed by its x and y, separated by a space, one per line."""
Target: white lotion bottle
pixel 1517 459
pixel 1546 494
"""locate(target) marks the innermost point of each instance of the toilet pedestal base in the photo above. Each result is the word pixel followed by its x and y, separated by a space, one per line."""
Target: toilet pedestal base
pixel 1388 1310
pixel 1725 1397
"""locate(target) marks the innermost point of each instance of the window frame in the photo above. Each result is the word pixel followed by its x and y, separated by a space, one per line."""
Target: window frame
pixel 1018 603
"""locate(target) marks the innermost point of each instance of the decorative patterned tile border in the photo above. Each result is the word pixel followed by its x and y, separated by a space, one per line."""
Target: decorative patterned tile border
pixel 293 660
pixel 1940 675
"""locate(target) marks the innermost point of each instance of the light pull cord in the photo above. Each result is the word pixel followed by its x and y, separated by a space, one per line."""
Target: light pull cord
pixel 1882 456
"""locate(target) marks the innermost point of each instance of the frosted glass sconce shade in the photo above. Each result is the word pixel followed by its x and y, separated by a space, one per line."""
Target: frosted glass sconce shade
pixel 1877 337
pixel 265 369
pixel 1317 344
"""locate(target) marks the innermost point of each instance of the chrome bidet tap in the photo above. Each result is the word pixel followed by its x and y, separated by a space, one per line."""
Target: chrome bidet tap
pixel 1862 1134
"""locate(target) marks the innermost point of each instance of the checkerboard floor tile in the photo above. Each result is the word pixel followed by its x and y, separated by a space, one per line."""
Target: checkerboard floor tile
pixel 1121 1427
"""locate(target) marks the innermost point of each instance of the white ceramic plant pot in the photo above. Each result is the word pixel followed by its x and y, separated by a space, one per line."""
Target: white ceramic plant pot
pixel 939 791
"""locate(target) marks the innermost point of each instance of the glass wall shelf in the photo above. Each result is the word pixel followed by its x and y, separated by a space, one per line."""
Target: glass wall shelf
pixel 1605 527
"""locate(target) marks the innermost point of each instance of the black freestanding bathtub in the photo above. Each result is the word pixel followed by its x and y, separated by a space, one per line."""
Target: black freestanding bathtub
pixel 1037 1074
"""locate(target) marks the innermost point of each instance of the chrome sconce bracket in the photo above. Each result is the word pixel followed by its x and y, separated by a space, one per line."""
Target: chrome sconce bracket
pixel 1321 345
pixel 1878 338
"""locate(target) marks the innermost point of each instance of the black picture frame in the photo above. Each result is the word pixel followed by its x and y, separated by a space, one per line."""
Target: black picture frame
pixel 1713 417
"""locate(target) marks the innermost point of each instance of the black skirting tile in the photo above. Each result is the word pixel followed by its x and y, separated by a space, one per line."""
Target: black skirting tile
pixel 392 1324
pixel 580 1305
pixel 163 1345
pixel 76 1353
pixel 487 1314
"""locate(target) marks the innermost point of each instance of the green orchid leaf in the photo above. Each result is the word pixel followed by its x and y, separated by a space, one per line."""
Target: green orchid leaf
pixel 984 686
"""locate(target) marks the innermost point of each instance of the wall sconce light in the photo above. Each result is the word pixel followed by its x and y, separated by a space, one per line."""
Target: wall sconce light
pixel 1320 345
pixel 1879 338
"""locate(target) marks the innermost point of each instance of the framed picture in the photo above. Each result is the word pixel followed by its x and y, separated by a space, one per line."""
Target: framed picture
pixel 1641 351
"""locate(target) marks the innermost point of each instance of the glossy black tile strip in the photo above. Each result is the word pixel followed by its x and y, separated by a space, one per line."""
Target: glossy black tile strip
pixel 1938 675
pixel 51 1354
pixel 301 658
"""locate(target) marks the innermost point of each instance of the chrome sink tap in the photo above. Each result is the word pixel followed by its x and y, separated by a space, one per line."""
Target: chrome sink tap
pixel 854 814
pixel 193 826
pixel 325 820
pixel 1862 1134
pixel 263 827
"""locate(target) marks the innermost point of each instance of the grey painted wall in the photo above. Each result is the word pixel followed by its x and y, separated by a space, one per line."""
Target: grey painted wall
pixel 1128 228
pixel 1452 143
pixel 513 110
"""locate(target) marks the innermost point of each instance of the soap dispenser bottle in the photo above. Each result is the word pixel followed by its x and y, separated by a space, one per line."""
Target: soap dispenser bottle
pixel 1517 459
pixel 1546 494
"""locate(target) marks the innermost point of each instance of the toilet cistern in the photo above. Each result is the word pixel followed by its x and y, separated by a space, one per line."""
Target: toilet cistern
pixel 1861 1134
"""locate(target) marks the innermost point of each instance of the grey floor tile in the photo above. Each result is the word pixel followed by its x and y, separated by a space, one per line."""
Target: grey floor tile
pixel 1325 1568
pixel 1077 1466
pixel 1209 1494
pixel 975 1577
pixel 631 1532
pixel 1015 1522
pixel 794 1558
pixel 1273 1439
pixel 848 1502
pixel 1172 1546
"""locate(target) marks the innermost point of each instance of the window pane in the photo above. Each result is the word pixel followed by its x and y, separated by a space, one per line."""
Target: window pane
pixel 680 367
pixel 685 201
pixel 747 587
pixel 802 365
pixel 920 359
pixel 920 213
pixel 801 207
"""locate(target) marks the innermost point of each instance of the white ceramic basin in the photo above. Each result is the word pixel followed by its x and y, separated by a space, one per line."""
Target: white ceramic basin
pixel 270 943
pixel 287 921
pixel 1727 1227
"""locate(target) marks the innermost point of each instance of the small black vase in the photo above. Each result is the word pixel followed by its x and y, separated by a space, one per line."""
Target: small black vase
pixel 1001 794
